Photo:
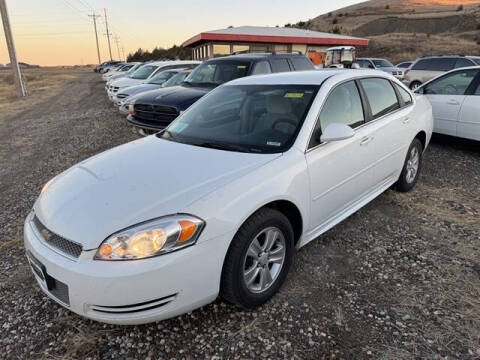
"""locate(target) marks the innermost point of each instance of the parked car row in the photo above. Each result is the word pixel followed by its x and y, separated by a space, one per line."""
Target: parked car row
pixel 257 167
pixel 157 92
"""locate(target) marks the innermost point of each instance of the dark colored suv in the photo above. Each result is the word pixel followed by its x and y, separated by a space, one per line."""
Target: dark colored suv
pixel 156 109
pixel 428 67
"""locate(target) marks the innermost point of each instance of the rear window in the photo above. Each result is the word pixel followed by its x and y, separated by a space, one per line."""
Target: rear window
pixel 462 62
pixel 381 96
pixel 279 65
pixel 301 63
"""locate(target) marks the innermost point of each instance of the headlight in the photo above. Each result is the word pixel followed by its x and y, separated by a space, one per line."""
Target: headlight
pixel 151 238
pixel 131 109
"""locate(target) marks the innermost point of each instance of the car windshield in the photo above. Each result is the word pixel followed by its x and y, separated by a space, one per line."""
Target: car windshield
pixel 161 77
pixel 143 72
pixel 382 63
pixel 176 79
pixel 245 118
pixel 215 73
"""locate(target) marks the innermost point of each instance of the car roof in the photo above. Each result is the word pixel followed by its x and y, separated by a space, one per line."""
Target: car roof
pixel 311 77
pixel 173 62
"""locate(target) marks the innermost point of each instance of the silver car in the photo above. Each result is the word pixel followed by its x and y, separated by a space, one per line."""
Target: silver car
pixel 426 68
pixel 380 64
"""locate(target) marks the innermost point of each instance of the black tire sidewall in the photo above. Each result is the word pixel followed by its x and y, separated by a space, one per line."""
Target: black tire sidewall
pixel 254 225
pixel 402 184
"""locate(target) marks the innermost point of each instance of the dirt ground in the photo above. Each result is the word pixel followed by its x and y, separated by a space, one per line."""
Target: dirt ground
pixel 399 279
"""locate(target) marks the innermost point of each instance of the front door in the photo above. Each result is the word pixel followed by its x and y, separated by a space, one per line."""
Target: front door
pixel 341 172
pixel 468 125
pixel 447 94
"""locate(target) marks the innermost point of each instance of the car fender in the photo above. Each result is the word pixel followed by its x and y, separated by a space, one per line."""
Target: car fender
pixel 226 209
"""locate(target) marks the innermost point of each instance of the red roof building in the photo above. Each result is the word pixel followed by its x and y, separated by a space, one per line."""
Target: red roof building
pixel 265 39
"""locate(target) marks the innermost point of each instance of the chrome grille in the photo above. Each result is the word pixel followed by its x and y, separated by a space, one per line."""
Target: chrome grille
pixel 66 246
pixel 158 115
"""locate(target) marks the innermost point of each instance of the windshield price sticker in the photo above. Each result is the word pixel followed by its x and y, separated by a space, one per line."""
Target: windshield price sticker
pixel 241 67
pixel 294 95
pixel 273 143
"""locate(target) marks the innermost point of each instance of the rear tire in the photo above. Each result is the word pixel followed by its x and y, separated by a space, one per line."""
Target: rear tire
pixel 258 259
pixel 411 168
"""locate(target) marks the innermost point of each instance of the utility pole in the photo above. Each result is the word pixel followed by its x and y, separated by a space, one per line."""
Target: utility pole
pixel 117 40
pixel 123 54
pixel 108 34
pixel 94 17
pixel 17 76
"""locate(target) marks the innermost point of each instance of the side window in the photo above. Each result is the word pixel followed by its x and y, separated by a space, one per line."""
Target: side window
pixel 380 95
pixel 477 92
pixel 421 64
pixel 301 63
pixel 365 64
pixel 407 99
pixel 443 64
pixel 462 62
pixel 279 65
pixel 262 67
pixel 344 106
pixel 451 84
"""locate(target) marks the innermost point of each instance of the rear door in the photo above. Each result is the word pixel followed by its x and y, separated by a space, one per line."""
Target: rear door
pixel 390 126
pixel 447 94
pixel 468 125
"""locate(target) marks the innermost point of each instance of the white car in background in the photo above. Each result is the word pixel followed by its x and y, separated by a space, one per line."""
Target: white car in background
pixel 455 99
pixel 145 73
pixel 125 70
pixel 218 201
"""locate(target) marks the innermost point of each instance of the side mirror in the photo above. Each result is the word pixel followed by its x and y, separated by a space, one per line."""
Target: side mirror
pixel 336 132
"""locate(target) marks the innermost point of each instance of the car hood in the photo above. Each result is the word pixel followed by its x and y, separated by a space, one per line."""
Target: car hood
pixel 179 96
pixel 125 81
pixel 135 182
pixel 132 90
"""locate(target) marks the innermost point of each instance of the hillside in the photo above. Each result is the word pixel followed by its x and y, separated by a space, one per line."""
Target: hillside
pixel 405 29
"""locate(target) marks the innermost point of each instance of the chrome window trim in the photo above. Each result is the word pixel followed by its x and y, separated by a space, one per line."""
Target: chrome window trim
pixel 365 123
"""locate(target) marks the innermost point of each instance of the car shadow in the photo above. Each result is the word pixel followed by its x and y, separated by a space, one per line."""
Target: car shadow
pixel 456 143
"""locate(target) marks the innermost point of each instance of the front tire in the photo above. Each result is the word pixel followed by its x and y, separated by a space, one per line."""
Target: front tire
pixel 411 168
pixel 258 259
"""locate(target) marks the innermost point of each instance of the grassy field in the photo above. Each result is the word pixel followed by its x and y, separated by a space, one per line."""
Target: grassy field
pixel 41 83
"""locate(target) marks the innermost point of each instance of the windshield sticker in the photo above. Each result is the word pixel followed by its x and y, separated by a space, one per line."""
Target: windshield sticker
pixel 294 95
pixel 273 143
pixel 241 67
pixel 179 126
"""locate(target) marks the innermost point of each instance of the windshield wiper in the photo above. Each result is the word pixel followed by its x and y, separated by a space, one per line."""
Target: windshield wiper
pixel 223 146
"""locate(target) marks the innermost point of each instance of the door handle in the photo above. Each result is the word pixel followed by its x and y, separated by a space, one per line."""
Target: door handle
pixel 453 102
pixel 366 140
pixel 406 120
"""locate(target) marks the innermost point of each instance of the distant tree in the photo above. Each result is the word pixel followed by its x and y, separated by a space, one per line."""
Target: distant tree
pixel 478 26
pixel 336 30
pixel 387 7
pixel 175 52
pixel 460 8
pixel 340 15
pixel 335 21
pixel 329 14
pixel 287 25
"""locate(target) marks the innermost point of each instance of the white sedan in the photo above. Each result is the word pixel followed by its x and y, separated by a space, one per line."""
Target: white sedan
pixel 217 203
pixel 455 99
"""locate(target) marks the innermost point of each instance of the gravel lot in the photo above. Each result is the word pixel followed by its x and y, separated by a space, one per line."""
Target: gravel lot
pixel 398 279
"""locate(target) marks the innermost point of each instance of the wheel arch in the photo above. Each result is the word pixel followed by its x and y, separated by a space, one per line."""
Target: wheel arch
pixel 422 136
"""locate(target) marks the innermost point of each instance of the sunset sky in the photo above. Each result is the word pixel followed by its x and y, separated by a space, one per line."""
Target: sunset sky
pixel 59 32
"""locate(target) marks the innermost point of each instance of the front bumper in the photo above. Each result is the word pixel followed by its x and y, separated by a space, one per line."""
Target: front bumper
pixel 131 292
pixel 145 126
